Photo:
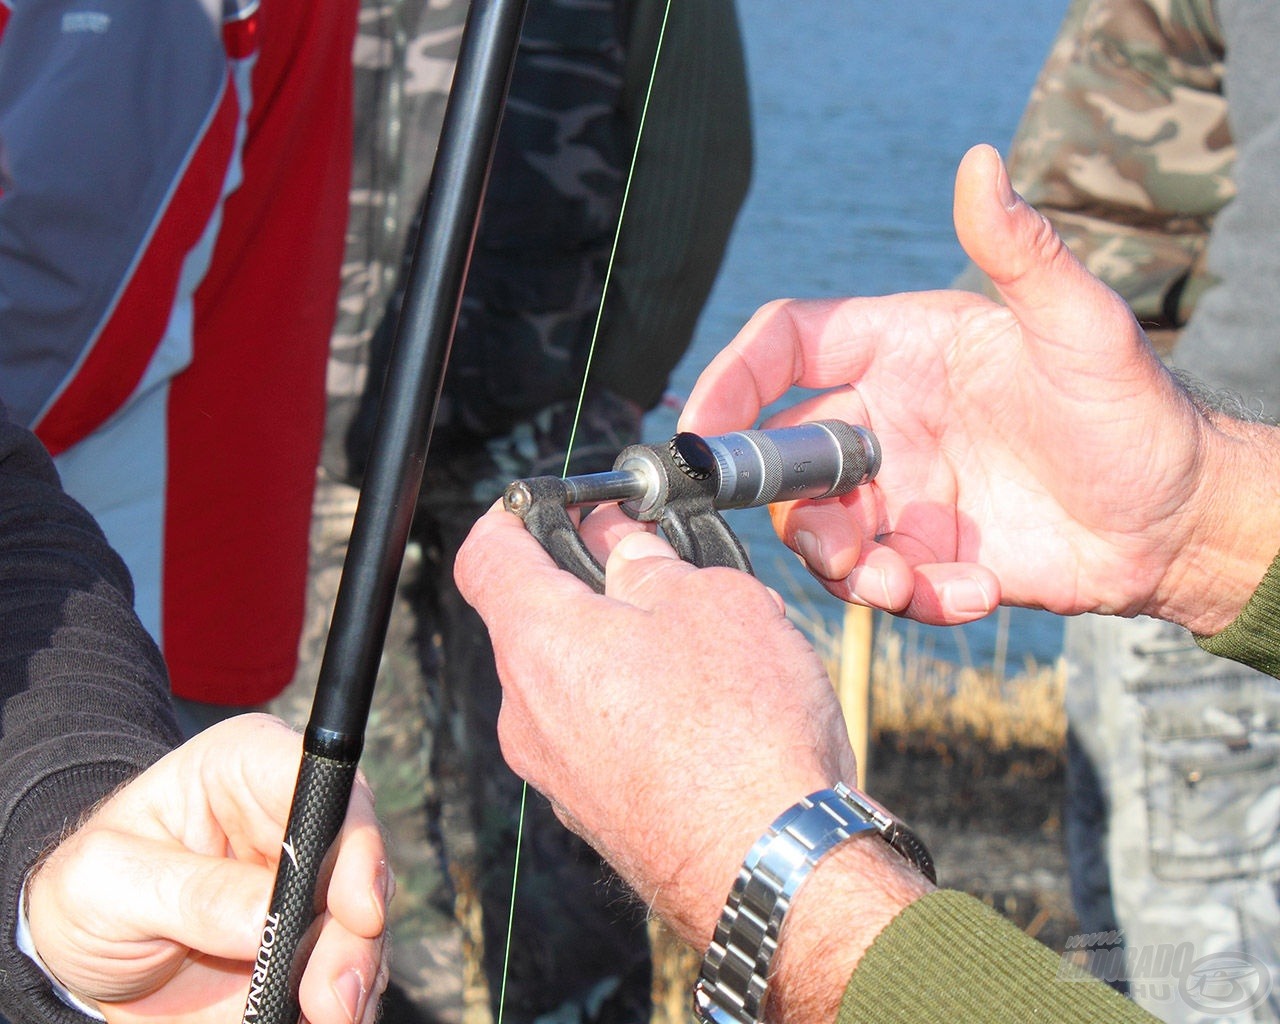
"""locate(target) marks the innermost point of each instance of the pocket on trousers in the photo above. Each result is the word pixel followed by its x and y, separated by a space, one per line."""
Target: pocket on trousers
pixel 1211 754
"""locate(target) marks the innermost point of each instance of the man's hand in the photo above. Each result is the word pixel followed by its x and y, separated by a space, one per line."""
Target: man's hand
pixel 645 715
pixel 670 721
pixel 1035 453
pixel 153 909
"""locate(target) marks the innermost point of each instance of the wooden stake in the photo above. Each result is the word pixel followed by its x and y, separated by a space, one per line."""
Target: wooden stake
pixel 853 688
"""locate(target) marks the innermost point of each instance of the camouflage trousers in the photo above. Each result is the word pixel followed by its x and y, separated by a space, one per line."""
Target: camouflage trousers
pixel 1183 837
pixel 451 807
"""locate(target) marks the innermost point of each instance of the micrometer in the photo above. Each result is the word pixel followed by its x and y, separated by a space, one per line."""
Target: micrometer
pixel 682 486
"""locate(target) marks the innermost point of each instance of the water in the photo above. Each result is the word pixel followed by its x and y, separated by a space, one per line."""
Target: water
pixel 862 111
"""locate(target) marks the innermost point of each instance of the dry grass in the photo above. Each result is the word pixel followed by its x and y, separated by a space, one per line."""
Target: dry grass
pixel 921 696
pixel 675 969
pixel 911 693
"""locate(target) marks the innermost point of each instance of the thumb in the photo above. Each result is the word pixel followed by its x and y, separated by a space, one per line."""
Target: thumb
pixel 641 567
pixel 644 570
pixel 112 913
pixel 1041 282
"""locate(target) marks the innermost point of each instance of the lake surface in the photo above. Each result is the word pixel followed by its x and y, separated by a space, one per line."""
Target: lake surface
pixel 862 111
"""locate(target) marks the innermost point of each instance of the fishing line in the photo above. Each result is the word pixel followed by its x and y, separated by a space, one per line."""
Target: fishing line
pixel 617 235
pixel 573 434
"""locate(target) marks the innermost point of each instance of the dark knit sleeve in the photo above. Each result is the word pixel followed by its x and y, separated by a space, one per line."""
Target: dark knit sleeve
pixel 84 690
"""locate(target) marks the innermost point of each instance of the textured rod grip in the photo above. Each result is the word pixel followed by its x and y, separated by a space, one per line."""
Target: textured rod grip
pixel 319 807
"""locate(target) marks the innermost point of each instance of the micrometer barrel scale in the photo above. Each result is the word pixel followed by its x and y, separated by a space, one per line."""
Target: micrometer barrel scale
pixel 758 467
pixel 683 484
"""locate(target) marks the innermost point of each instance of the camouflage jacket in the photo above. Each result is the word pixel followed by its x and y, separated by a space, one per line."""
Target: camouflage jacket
pixel 553 203
pixel 1152 142
pixel 1125 146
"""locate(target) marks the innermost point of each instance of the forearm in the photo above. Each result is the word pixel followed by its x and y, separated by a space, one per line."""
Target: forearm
pixel 949 958
pixel 83 688
pixel 867 939
pixel 853 895
pixel 1253 637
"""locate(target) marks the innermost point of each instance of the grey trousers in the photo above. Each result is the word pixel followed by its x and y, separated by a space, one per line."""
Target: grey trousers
pixel 1184 828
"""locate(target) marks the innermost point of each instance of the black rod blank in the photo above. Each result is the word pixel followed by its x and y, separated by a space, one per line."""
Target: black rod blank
pixel 334 736
pixel 415 371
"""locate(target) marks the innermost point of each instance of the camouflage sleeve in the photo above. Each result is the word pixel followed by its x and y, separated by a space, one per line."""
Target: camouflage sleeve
pixel 403 62
pixel 533 289
pixel 527 326
pixel 555 187
pixel 572 125
pixel 1125 146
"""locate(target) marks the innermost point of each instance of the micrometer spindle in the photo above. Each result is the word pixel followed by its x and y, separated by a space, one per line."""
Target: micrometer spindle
pixel 683 484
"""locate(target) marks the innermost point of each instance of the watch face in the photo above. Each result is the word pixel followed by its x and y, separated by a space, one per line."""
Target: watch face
pixel 912 847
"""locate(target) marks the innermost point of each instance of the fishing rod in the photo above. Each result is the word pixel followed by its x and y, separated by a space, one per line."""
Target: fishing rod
pixel 334 737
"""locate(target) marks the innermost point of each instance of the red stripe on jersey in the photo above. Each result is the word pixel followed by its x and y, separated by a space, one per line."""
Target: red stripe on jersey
pixel 245 419
pixel 4 20
pixel 119 356
pixel 240 37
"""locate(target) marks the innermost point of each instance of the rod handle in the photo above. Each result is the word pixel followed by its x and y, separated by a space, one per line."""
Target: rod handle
pixel 293 918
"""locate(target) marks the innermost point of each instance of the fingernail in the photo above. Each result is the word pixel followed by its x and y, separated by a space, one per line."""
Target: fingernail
pixel 872 587
pixel 778 599
pixel 883 578
pixel 966 596
pixel 379 990
pixel 1005 189
pixel 351 992
pixel 635 546
pixel 809 547
pixel 384 890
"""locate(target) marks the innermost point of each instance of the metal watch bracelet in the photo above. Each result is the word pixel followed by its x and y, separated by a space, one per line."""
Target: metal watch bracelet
pixel 734 980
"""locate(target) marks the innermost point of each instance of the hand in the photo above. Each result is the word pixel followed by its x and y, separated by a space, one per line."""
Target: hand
pixel 153 908
pixel 1035 453
pixel 645 715
pixel 670 721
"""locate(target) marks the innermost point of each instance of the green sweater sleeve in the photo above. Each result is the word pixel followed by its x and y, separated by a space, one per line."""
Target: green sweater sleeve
pixel 1254 637
pixel 948 958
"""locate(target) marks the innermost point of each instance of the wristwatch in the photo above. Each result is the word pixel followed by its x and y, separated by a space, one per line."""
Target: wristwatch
pixel 734 980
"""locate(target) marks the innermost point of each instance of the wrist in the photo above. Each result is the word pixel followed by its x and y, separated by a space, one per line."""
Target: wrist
pixel 1233 527
pixel 823 942
pixel 742 964
pixel 689 895
pixel 26 944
